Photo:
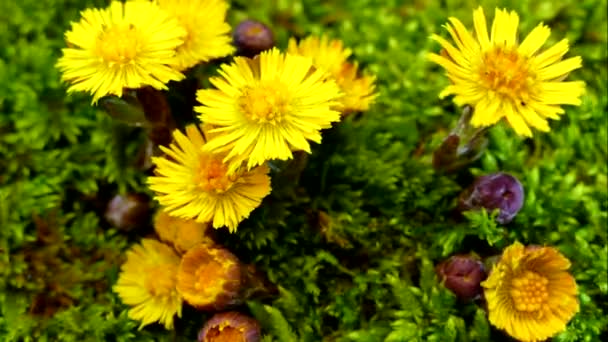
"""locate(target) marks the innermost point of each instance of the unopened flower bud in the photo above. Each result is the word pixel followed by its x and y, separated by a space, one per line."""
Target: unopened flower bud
pixel 209 278
pixel 252 37
pixel 462 274
pixel 128 211
pixel 230 326
pixel 494 191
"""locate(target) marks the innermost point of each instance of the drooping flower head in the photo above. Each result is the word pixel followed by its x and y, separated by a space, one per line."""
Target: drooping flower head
pixel 182 234
pixel 265 108
pixel 147 282
pixel 127 45
pixel 194 184
pixel 332 57
pixel 502 78
pixel 209 278
pixel 208 33
pixel 230 326
pixel 530 293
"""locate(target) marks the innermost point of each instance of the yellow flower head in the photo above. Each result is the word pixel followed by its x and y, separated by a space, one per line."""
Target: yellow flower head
pixel 147 282
pixel 530 293
pixel 500 77
pixel 267 107
pixel 127 45
pixel 331 56
pixel 194 184
pixel 209 277
pixel 208 33
pixel 181 233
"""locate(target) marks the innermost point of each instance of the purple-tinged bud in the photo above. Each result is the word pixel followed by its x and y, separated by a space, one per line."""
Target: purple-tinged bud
pixel 252 37
pixel 128 211
pixel 494 191
pixel 462 274
pixel 229 327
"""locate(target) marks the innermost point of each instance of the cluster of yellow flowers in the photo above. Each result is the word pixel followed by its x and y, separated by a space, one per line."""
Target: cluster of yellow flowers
pixel 187 265
pixel 529 292
pixel 260 108
pixel 214 174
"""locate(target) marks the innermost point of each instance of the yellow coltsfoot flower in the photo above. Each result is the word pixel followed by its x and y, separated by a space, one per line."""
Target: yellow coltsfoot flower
pixel 192 183
pixel 210 278
pixel 208 33
pixel 530 293
pixel 502 78
pixel 127 45
pixel 148 281
pixel 332 57
pixel 265 108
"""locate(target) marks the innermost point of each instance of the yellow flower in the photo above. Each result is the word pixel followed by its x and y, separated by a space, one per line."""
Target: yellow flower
pixel 127 45
pixel 147 282
pixel 194 184
pixel 209 277
pixel 500 77
pixel 530 293
pixel 267 107
pixel 208 33
pixel 331 56
pixel 181 233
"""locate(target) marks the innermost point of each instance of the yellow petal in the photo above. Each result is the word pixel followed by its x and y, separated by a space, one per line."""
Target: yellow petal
pixel 560 69
pixel 481 28
pixel 535 40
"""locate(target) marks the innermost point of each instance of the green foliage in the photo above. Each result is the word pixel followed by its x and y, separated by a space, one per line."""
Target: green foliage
pixel 351 239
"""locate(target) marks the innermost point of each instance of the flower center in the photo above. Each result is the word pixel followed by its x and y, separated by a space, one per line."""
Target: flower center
pixel 119 44
pixel 208 276
pixel 267 103
pixel 225 334
pixel 506 72
pixel 212 176
pixel 529 291
pixel 160 281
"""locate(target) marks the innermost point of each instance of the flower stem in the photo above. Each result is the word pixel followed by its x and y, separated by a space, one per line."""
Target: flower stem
pixel 463 145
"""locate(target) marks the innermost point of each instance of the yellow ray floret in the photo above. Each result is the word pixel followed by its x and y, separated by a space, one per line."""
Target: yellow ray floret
pixel 530 293
pixel 502 78
pixel 127 45
pixel 148 281
pixel 208 33
pixel 332 57
pixel 192 183
pixel 265 108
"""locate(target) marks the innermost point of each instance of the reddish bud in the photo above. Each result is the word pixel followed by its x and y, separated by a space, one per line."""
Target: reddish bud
pixel 494 191
pixel 252 37
pixel 229 327
pixel 462 274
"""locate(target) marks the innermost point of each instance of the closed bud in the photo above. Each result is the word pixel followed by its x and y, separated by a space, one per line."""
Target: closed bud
pixel 252 37
pixel 494 191
pixel 462 274
pixel 230 327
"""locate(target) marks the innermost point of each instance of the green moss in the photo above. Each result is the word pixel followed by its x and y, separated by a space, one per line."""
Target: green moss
pixel 352 244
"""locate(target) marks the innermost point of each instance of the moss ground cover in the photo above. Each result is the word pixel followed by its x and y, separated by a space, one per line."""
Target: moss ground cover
pixel 352 245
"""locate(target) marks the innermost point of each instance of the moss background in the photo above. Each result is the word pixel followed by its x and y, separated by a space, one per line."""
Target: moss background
pixel 352 246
